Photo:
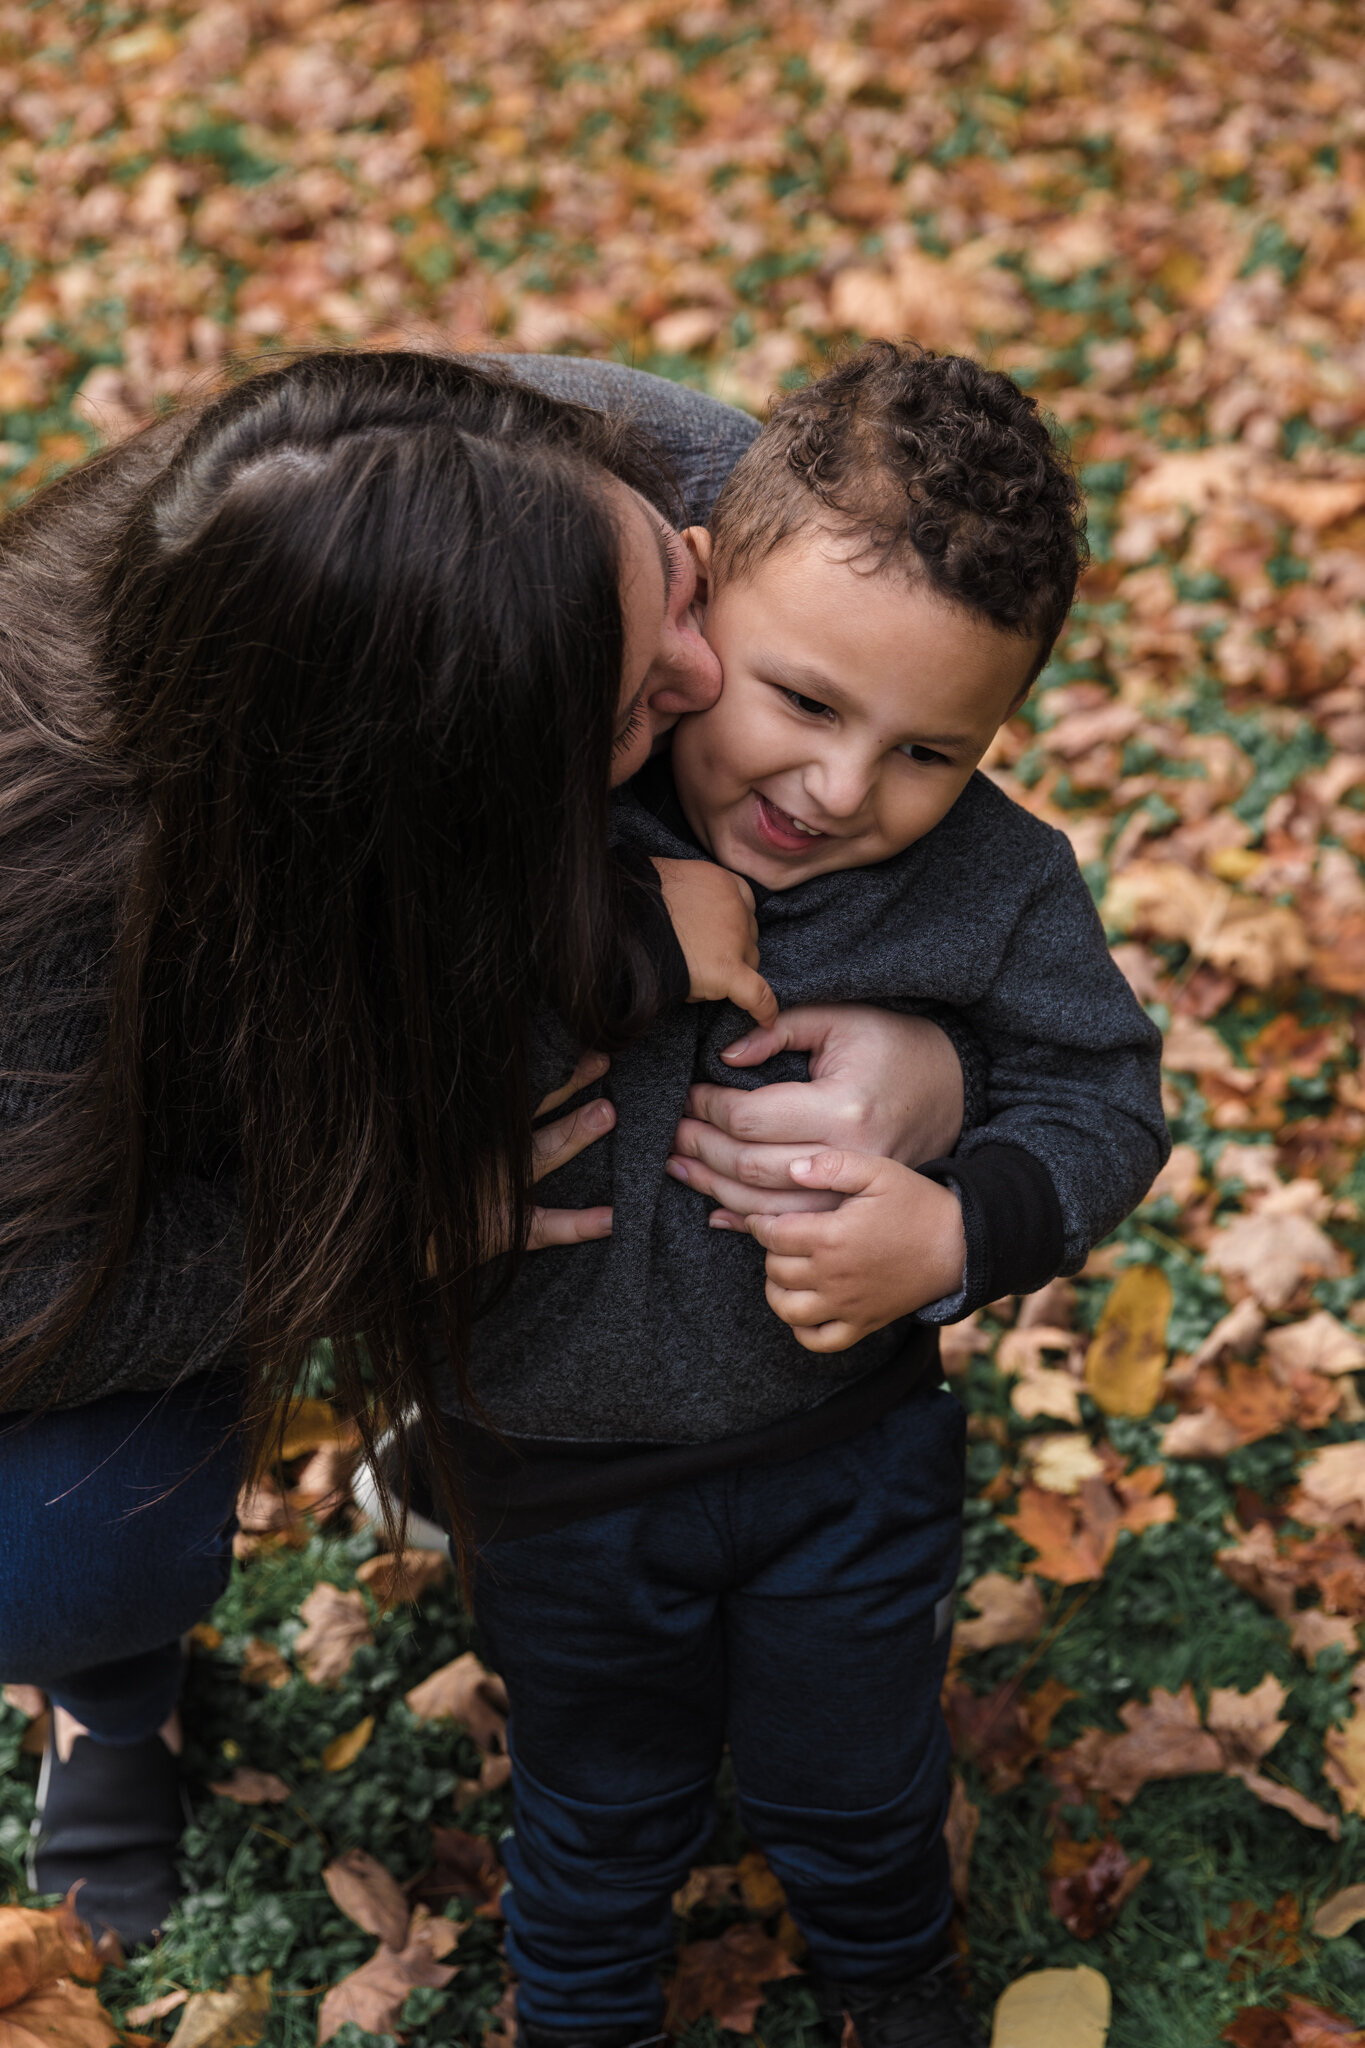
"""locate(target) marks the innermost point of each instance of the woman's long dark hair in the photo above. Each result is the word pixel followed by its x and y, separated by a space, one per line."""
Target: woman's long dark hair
pixel 306 710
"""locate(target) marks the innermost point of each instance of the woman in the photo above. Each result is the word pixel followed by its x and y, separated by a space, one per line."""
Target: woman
pixel 311 701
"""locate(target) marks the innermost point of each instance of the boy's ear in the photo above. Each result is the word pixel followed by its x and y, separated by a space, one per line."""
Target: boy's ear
pixel 697 540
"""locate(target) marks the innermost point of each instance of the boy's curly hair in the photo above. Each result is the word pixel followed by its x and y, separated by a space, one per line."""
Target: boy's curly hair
pixel 930 464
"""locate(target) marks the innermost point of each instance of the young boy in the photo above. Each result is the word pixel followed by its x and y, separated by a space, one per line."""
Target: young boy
pixel 705 1522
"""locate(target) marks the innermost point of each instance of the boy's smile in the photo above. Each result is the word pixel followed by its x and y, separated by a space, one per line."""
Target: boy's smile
pixel 856 705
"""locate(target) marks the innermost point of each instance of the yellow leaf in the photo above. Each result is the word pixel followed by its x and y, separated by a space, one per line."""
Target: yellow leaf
pixel 1127 1354
pixel 1053 2009
pixel 232 2018
pixel 343 1750
pixel 1339 1913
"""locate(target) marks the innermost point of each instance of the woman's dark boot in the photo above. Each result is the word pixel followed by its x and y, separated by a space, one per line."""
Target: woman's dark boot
pixel 110 1819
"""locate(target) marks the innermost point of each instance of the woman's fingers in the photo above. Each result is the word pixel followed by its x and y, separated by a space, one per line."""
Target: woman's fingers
pixel 563 1140
pixel 590 1068
pixel 567 1226
pixel 753 1166
pixel 735 1196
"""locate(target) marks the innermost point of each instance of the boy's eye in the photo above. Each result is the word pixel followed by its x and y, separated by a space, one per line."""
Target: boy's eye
pixel 811 705
pixel 919 753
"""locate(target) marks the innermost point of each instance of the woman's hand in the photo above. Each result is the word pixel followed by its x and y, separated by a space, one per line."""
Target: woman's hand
pixel 878 1083
pixel 895 1243
pixel 712 913
pixel 555 1146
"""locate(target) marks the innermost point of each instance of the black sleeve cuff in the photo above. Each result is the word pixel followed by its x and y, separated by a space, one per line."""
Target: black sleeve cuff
pixel 652 925
pixel 1011 1218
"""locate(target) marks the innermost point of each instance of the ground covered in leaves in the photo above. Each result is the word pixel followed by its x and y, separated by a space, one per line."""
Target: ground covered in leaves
pixel 1154 216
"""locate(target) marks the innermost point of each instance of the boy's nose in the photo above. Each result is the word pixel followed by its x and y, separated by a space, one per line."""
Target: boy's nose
pixel 840 785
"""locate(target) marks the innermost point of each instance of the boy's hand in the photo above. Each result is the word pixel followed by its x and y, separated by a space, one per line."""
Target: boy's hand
pixel 895 1242
pixel 713 915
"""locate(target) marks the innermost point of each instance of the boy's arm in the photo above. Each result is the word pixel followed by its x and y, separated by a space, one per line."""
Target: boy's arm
pixel 1072 1137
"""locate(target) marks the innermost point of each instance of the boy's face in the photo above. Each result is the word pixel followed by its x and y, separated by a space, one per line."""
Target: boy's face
pixel 854 709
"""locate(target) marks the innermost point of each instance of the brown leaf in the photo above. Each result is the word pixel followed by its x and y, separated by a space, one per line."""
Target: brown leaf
pixel 1008 1611
pixel 361 1888
pixel 1255 1940
pixel 248 1787
pixel 758 1888
pixel 1311 1632
pixel 1246 1725
pixel 1339 1913
pixel 1344 1769
pixel 1127 1354
pixel 1320 1343
pixel 465 1691
pixel 395 1581
pixel 62 2014
pixel 1088 1893
pixel 1068 1554
pixel 373 1996
pixel 465 1867
pixel 724 1979
pixel 263 1665
pixel 959 1832
pixel 1274 1250
pixel 337 1627
pixel 1300 2024
pixel 342 1751
pixel 1003 1731
pixel 1205 1433
pixel 154 2009
pixel 710 1884
pixel 308 1425
pixel 232 2018
pixel 1163 1739
pixel 1253 1562
pixel 1332 1488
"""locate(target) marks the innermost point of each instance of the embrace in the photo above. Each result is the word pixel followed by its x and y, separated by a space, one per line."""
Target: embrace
pixel 422 777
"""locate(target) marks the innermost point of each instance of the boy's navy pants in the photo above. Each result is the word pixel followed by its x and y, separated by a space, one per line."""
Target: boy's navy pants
pixel 799 1612
pixel 796 1611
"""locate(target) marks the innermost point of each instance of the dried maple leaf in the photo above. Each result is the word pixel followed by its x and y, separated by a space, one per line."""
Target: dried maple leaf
pixel 1089 1884
pixel 337 1626
pixel 361 1888
pixel 1008 1611
pixel 154 2009
pixel 464 1691
pixel 758 1887
pixel 1311 1632
pixel 1332 1488
pixel 1126 1356
pixel 1319 1343
pixel 1254 1940
pixel 1299 2024
pixel 1344 1769
pixel 263 1665
pixel 1279 1246
pixel 248 1787
pixel 959 1833
pixel 1247 1725
pixel 394 1581
pixel 57 2015
pixel 1002 1731
pixel 1256 943
pixel 234 2017
pixel 1050 1523
pixel 1046 1390
pixel 725 1979
pixel 1062 1463
pixel 1204 1433
pixel 374 1995
pixel 1253 1562
pixel 1239 1330
pixel 1163 1739
pixel 40 1945
pixel 1335 1916
pixel 464 1867
pixel 1250 1398
pixel 710 1884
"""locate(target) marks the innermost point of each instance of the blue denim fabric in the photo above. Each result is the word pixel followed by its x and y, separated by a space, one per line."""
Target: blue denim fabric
pixel 116 1524
pixel 798 1611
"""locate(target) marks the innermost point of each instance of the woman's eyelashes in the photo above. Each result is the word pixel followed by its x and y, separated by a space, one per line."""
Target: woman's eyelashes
pixel 629 732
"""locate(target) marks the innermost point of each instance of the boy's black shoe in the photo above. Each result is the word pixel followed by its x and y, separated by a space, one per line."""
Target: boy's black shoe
pixel 590 2037
pixel 924 2011
pixel 110 1819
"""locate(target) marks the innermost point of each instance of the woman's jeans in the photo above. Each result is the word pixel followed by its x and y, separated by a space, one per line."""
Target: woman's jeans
pixel 116 1523
pixel 800 1611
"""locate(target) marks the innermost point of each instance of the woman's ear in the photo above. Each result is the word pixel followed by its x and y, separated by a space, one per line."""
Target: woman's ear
pixel 697 540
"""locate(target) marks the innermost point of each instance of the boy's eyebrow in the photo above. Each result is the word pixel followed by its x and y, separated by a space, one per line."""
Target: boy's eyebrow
pixel 794 675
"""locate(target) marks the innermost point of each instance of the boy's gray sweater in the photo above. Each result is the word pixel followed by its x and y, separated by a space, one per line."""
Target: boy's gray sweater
pixel 661 1335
